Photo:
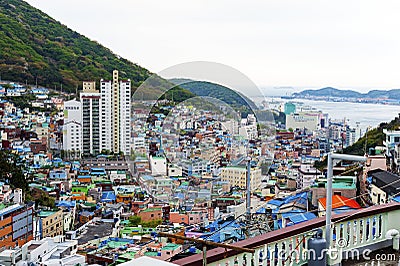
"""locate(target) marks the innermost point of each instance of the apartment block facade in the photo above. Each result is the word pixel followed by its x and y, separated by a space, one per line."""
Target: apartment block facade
pixel 101 120
pixel 72 128
pixel 16 223
pixel 236 176
pixel 116 114
pixel 91 100
pixel 50 223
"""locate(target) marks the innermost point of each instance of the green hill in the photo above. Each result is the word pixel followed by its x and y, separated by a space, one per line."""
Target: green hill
pixel 35 46
pixel 332 92
pixel 236 100
pixel 372 138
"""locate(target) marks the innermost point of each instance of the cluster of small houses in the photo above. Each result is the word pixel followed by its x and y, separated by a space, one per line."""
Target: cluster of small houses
pixel 42 95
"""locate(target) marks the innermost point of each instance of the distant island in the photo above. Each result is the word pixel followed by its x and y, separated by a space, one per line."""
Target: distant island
pixel 333 94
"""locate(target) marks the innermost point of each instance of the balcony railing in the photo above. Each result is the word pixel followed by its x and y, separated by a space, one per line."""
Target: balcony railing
pixel 353 231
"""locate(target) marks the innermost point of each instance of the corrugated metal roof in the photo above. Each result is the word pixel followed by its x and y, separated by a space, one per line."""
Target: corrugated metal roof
pixel 340 201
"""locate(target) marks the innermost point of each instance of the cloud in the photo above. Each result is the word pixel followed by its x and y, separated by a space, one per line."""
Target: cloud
pixel 277 42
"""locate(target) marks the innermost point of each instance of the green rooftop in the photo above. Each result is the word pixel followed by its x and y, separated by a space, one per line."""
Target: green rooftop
pixel 44 214
pixel 343 185
pixel 225 199
pixel 128 255
pixel 170 246
pixel 342 182
pixel 151 254
pixel 117 244
pixel 151 209
pixel 88 204
pixel 118 261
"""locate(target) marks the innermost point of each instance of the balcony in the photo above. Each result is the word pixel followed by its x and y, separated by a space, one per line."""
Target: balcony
pixel 353 232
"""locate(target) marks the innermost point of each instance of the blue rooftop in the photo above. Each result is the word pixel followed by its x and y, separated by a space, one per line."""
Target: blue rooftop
pixel 297 217
pixel 67 204
pixel 108 196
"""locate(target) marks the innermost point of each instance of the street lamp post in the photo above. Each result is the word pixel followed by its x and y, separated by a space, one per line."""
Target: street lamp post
pixel 328 216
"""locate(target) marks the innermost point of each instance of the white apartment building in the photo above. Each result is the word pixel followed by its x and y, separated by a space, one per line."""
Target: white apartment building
pixel 307 174
pixel 392 138
pixel 139 143
pixel 248 131
pixel 197 167
pixel 310 120
pixel 248 127
pixel 174 170
pixel 231 126
pixel 72 128
pixel 46 252
pixel 90 99
pixel 115 115
pixel 236 176
pixel 158 165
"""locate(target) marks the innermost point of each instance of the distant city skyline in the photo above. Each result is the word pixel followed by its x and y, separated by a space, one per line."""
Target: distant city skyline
pixel 288 90
pixel 343 44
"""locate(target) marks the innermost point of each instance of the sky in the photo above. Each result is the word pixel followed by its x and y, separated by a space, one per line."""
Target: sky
pixel 301 44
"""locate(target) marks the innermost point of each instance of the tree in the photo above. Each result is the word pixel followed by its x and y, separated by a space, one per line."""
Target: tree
pixel 105 152
pixel 46 200
pixel 152 223
pixel 135 220
pixel 12 170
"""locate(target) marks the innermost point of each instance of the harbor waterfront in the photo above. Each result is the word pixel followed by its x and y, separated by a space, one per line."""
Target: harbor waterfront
pixel 368 115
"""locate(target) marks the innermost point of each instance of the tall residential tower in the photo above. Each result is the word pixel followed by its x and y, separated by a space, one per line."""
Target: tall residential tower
pixel 100 120
pixel 115 116
pixel 90 99
pixel 72 129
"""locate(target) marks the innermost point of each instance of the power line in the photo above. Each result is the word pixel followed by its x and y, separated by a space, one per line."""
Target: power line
pixel 353 198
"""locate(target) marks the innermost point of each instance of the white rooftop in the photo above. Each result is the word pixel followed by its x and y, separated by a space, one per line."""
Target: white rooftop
pixel 147 261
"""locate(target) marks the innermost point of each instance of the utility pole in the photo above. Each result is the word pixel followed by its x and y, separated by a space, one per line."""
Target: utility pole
pixel 331 157
pixel 248 195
